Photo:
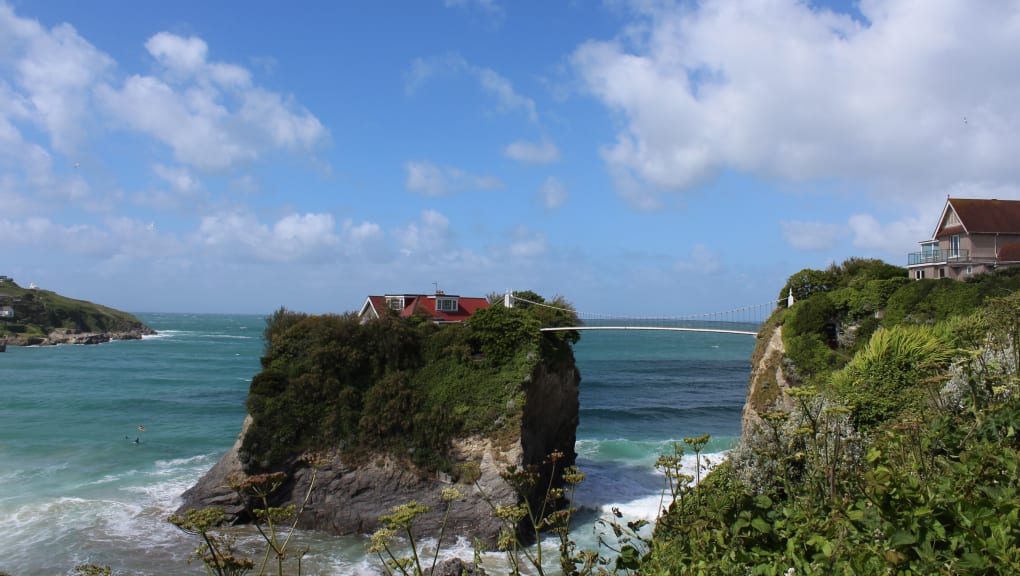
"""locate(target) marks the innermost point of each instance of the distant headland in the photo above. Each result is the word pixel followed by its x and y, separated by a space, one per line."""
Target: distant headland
pixel 36 317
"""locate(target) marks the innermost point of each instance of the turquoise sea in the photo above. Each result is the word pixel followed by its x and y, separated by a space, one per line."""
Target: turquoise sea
pixel 77 487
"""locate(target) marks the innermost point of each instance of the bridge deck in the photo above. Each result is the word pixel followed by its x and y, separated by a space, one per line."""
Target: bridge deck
pixel 667 328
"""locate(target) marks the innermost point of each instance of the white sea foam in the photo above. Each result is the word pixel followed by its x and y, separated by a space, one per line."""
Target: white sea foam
pixel 636 491
pixel 163 486
pixel 201 461
pixel 111 478
pixel 163 334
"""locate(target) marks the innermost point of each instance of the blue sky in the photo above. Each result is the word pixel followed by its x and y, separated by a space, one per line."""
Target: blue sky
pixel 638 157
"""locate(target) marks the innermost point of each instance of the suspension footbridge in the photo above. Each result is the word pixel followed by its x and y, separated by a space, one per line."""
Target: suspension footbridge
pixel 744 320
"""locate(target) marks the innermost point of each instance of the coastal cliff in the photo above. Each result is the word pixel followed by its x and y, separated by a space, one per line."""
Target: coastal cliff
pixel 878 436
pixel 362 417
pixel 36 317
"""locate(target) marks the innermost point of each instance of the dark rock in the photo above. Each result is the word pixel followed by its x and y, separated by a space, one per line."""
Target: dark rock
pixel 213 489
pixel 457 567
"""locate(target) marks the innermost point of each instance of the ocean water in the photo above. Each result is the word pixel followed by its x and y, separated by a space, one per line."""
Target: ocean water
pixel 77 488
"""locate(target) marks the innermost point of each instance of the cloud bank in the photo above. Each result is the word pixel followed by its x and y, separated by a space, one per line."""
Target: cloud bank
pixel 909 97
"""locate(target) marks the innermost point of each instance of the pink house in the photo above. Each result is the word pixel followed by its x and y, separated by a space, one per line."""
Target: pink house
pixel 972 236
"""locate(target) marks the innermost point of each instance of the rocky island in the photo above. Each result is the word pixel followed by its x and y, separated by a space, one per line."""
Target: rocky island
pixel 363 416
pixel 35 317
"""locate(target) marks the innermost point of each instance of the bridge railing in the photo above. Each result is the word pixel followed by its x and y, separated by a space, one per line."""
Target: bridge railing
pixel 672 323
pixel 743 319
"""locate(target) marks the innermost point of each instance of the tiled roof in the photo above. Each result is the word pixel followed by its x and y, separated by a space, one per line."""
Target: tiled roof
pixel 980 216
pixel 426 303
pixel 1009 252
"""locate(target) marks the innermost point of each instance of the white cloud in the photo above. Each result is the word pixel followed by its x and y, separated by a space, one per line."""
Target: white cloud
pixel 55 71
pixel 366 231
pixel 306 229
pixel 365 237
pixel 507 98
pixel 423 69
pixel 209 113
pixel 812 235
pixel 783 89
pixel 428 238
pixel 295 237
pixel 553 193
pixel 41 232
pixel 525 243
pixel 15 204
pixel 544 152
pixel 897 238
pixel 179 178
pixel 139 241
pixel 30 179
pixel 184 56
pixel 431 180
pixel 46 93
pixel 700 260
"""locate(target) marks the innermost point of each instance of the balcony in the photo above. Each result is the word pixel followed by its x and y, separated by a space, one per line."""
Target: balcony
pixel 937 257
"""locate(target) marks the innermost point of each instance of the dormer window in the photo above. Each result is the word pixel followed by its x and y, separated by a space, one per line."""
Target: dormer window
pixel 446 304
pixel 395 302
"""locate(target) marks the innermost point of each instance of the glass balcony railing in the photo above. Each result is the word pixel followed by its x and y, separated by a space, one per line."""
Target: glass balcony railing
pixel 937 257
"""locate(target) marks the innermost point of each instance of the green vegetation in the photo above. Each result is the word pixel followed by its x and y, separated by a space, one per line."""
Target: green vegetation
pixel 839 308
pixel 37 313
pixel 275 525
pixel 405 386
pixel 901 455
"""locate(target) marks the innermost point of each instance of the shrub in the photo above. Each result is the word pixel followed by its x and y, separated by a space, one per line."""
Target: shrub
pixel 809 334
pixel 877 381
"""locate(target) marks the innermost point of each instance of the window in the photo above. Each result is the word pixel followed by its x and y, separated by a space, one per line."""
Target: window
pixel 395 302
pixel 918 274
pixel 954 246
pixel 970 270
pixel 446 304
pixel 942 272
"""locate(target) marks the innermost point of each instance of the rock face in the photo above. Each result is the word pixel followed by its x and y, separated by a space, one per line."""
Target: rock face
pixel 768 388
pixel 69 336
pixel 347 499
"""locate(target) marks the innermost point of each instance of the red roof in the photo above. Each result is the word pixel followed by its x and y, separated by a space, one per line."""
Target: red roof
pixel 1009 252
pixel 980 216
pixel 426 303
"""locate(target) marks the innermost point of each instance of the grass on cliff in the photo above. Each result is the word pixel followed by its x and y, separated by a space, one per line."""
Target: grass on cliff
pixel 401 385
pixel 37 313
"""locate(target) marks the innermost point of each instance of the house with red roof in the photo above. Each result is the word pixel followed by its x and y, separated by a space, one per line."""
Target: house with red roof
pixel 441 307
pixel 972 236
